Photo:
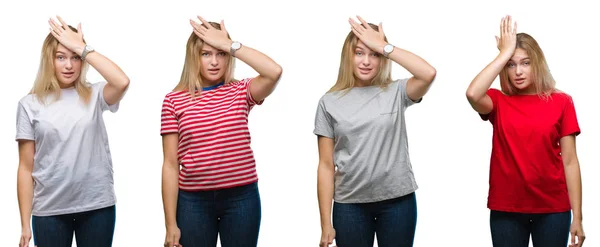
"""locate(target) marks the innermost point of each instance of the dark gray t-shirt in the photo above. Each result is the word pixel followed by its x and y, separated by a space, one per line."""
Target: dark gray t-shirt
pixel 370 142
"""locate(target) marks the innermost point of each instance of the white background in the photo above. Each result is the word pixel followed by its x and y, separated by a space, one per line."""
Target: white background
pixel 449 144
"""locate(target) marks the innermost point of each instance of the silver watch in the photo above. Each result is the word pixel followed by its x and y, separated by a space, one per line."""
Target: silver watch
pixel 234 47
pixel 387 49
pixel 86 50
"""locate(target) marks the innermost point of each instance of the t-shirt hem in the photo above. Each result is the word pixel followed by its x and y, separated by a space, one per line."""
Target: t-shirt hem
pixel 221 188
pixel 73 210
pixel 529 210
pixel 400 193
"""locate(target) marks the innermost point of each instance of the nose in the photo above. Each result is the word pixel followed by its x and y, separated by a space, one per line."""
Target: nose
pixel 213 60
pixel 69 64
pixel 366 60
pixel 519 70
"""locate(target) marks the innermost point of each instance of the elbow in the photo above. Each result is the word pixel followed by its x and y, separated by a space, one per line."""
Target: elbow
pixel 124 83
pixel 472 96
pixel 277 71
pixel 431 74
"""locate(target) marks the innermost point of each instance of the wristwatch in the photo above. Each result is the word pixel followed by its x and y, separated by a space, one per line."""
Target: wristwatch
pixel 234 47
pixel 387 49
pixel 86 50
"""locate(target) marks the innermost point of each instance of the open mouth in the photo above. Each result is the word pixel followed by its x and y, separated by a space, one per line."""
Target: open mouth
pixel 364 70
pixel 213 71
pixel 520 81
pixel 68 74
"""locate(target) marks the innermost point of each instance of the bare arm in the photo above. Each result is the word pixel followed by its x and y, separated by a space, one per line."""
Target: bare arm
pixel 269 71
pixel 25 187
pixel 423 73
pixel 170 187
pixel 476 92
pixel 325 187
pixel 573 177
pixel 117 81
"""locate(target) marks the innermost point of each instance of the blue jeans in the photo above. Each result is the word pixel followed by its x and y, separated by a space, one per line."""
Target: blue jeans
pixel 514 229
pixel 394 221
pixel 233 213
pixel 92 229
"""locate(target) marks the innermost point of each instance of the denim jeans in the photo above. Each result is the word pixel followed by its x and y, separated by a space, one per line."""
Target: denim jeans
pixel 393 221
pixel 92 229
pixel 234 213
pixel 514 229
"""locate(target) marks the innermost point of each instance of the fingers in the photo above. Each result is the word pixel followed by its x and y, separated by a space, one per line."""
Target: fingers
pixel 381 30
pixel 572 239
pixel 54 26
pixel 356 28
pixel 62 22
pixel 363 22
pixel 205 23
pixel 514 31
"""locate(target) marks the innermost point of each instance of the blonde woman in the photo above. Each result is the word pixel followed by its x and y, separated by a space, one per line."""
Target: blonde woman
pixel 535 180
pixel 65 177
pixel 205 132
pixel 364 164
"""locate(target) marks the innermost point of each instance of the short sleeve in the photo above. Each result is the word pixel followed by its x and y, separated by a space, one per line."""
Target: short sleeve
pixel 404 94
pixel 24 125
pixel 323 123
pixel 246 88
pixel 168 119
pixel 568 121
pixel 105 106
pixel 493 94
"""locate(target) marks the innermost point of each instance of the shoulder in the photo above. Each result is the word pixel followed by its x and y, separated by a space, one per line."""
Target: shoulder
pixel 562 97
pixel 241 83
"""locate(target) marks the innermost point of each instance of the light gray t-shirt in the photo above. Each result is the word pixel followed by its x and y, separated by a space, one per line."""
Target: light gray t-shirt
pixel 72 168
pixel 370 142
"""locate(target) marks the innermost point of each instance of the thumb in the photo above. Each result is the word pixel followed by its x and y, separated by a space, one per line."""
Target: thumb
pixel 223 26
pixel 573 238
pixel 79 30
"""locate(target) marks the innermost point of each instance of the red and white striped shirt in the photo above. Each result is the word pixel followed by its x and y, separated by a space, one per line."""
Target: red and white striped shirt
pixel 214 140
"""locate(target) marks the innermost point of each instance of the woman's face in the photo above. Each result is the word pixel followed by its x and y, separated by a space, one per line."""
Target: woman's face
pixel 366 63
pixel 214 64
pixel 519 71
pixel 67 66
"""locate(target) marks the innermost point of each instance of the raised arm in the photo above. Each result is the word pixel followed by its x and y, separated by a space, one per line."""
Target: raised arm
pixel 423 73
pixel 269 71
pixel 507 43
pixel 117 80
pixel 170 188
pixel 325 187
pixel 25 188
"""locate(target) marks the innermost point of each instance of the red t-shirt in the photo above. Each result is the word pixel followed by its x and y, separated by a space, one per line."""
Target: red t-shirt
pixel 526 172
pixel 214 140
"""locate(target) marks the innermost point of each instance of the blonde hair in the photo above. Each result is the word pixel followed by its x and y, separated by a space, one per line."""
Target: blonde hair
pixel 46 83
pixel 191 79
pixel 542 81
pixel 346 78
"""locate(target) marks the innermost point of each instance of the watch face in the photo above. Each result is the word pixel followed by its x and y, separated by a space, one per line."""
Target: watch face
pixel 388 48
pixel 236 45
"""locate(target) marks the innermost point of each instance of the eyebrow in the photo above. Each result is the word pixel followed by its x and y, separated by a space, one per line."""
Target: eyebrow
pixel 63 53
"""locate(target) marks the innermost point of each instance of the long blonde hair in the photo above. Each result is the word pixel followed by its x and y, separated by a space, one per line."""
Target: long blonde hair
pixel 191 79
pixel 346 78
pixel 542 81
pixel 46 83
